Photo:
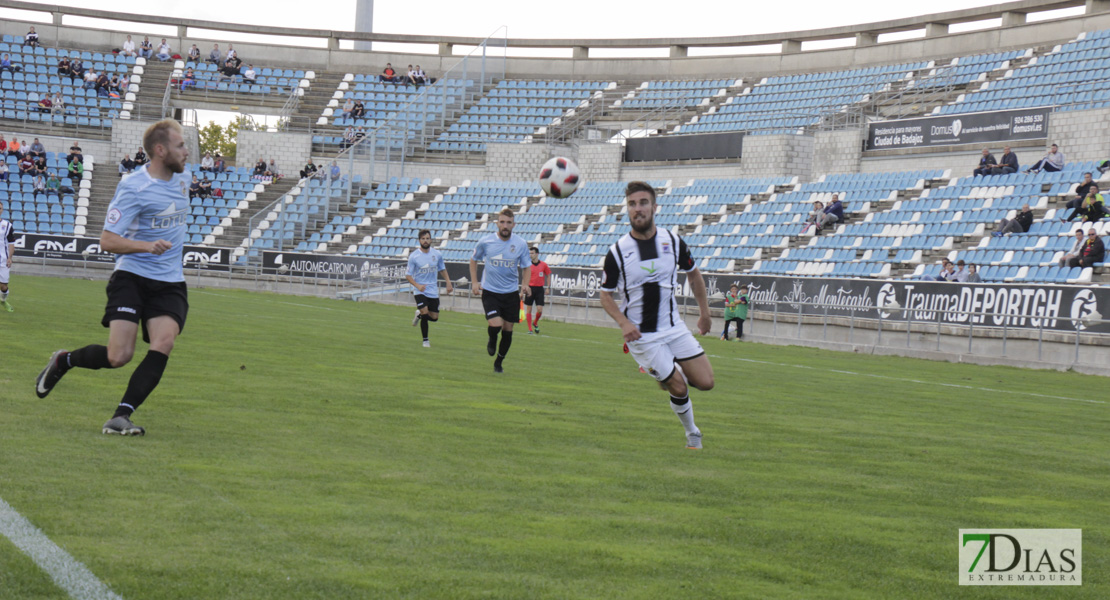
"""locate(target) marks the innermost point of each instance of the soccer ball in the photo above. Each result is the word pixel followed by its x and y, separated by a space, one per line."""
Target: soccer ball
pixel 559 177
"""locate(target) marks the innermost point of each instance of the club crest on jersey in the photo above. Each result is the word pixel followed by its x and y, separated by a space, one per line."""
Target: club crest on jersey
pixel 666 247
pixel 184 189
pixel 512 247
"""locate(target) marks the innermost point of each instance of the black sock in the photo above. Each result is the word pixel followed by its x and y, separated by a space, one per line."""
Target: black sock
pixel 739 328
pixel 726 329
pixel 506 341
pixel 493 331
pixel 424 326
pixel 92 356
pixel 680 401
pixel 143 381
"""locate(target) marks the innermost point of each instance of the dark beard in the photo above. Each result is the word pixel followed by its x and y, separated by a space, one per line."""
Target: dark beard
pixel 646 228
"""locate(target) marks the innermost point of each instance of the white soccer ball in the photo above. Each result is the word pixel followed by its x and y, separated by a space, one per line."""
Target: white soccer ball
pixel 559 177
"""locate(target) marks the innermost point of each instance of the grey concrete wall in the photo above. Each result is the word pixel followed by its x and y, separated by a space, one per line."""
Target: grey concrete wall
pixel 1082 134
pixel 290 150
pixel 600 162
pixel 681 174
pixel 837 151
pixel 516 162
pixel 448 174
pixel 127 136
pixel 778 156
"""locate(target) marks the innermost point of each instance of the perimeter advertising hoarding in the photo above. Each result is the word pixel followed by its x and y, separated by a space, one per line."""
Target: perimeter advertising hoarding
pixel 66 247
pixel 970 128
pixel 327 266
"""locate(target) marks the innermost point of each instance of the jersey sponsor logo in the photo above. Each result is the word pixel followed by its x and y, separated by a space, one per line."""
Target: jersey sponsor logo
pixel 501 261
pixel 114 216
pixel 650 270
pixel 169 218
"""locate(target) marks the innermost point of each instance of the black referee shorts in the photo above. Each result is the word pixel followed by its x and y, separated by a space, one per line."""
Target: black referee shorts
pixel 536 297
pixel 506 306
pixel 138 299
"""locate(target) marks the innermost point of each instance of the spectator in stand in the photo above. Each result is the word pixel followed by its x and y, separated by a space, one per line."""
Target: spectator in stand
pixel 59 104
pixel 75 154
pixel 40 164
pixel 273 170
pixel 1094 251
pixel 1050 163
pixel 814 216
pixel 194 188
pixel 126 165
pixel 348 106
pixel 164 51
pixel 1008 164
pixel 250 76
pixel 421 78
pixel 90 79
pixel 146 48
pixel 114 86
pixel 348 137
pixel 360 132
pixel 973 274
pixel 334 174
pixel 359 110
pixel 259 167
pixel 3 147
pixel 986 163
pixel 215 56
pixel 1019 224
pixel 53 185
pixel 1076 248
pixel 77 70
pixel 1092 209
pixel 207 163
pixel 31 39
pixel 124 83
pixel 229 70
pixel 833 213
pixel 6 64
pixel 128 48
pixel 205 188
pixel 15 149
pixel 45 104
pixel 39 184
pixel 219 165
pixel 961 271
pixel 65 68
pixel 3 171
pixel 1081 191
pixel 194 54
pixel 37 150
pixel 189 79
pixel 26 165
pixel 102 83
pixel 388 74
pixel 410 76
pixel 231 53
pixel 140 157
pixel 947 271
pixel 76 170
pixel 309 169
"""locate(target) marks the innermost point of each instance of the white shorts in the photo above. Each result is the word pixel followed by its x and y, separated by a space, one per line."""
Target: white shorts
pixel 657 352
pixel 4 273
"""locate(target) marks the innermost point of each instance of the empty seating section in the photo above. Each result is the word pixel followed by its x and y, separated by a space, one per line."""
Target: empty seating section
pixel 512 111
pixel 270 80
pixel 1073 77
pixel 783 104
pixel 208 217
pixel 966 69
pixel 57 214
pixel 38 78
pixel 686 94
pixel 414 108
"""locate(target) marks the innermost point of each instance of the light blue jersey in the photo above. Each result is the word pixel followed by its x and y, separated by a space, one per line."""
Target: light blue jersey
pixel 424 268
pixel 504 260
pixel 147 209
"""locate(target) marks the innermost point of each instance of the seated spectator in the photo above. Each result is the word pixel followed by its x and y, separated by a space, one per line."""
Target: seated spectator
pixel 259 168
pixel 421 78
pixel 410 76
pixel 1019 224
pixel 37 150
pixel 75 154
pixel 77 69
pixel 45 105
pixel 360 132
pixel 973 274
pixel 31 39
pixel 163 51
pixel 1076 248
pixel 229 70
pixel 59 104
pixel 189 79
pixel 348 137
pixel 39 184
pixel 3 171
pixel 947 271
pixel 194 54
pixel 219 165
pixel 273 170
pixel 1081 191
pixel 207 162
pixel 114 85
pixel 194 188
pixel 309 170
pixel 1094 251
pixel 834 213
pixel 126 165
pixel 1050 163
pixel 961 271
pixel 814 216
pixel 388 74
pixel 90 79
pixel 1092 209
pixel 146 48
pixel 334 174
pixel 249 76
pixel 40 164
pixel 348 106
pixel 65 68
pixel 986 163
pixel 124 82
pixel 54 185
pixel 102 83
pixel 215 55
pixel 231 53
pixel 6 64
pixel 3 147
pixel 1008 164
pixel 205 188
pixel 359 110
pixel 140 157
pixel 15 149
pixel 128 48
pixel 27 165
pixel 76 170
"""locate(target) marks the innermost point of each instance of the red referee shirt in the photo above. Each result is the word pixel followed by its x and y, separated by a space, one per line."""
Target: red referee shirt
pixel 538 271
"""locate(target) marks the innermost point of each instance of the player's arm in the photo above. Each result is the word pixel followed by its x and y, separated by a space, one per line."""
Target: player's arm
pixel 413 282
pixel 525 278
pixel 447 278
pixel 117 244
pixel 475 284
pixel 11 253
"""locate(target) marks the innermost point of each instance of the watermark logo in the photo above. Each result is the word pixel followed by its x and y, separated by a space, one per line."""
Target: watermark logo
pixel 1021 557
pixel 1084 310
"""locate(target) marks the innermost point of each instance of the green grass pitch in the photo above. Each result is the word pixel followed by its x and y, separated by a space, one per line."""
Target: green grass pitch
pixel 311 448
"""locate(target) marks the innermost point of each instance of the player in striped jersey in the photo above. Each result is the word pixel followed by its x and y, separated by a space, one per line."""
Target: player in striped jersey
pixel 7 250
pixel 643 265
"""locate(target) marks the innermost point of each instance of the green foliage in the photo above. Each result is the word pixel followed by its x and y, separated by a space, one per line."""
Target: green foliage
pixel 224 138
pixel 311 448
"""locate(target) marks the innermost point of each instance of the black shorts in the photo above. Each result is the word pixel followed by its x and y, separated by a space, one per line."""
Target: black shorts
pixel 506 306
pixel 422 301
pixel 536 297
pixel 137 299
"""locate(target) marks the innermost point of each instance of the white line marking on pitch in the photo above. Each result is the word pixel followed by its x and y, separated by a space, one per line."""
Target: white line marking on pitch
pixel 70 575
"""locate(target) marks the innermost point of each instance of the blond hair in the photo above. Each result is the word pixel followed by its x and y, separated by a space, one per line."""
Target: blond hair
pixel 159 133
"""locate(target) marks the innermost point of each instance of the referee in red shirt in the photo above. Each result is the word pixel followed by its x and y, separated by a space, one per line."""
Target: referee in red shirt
pixel 541 276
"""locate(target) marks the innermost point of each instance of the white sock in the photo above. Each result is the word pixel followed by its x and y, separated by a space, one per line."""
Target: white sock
pixel 685 412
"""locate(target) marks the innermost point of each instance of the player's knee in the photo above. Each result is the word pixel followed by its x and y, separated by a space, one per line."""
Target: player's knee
pixel 704 384
pixel 433 318
pixel 118 357
pixel 163 345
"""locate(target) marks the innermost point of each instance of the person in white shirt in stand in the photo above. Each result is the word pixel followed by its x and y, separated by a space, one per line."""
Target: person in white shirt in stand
pixel 250 76
pixel 163 51
pixel 231 53
pixel 128 48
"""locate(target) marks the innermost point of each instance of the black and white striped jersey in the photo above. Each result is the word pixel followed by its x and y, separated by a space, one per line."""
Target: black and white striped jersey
pixel 646 273
pixel 7 236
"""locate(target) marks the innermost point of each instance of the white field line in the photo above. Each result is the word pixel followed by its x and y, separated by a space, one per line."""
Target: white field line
pixel 69 574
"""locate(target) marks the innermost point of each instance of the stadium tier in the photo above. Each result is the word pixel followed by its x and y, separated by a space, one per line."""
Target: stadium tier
pixel 59 211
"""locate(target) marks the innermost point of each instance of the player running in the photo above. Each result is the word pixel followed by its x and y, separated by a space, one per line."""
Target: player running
pixel 501 285
pixel 540 278
pixel 7 251
pixel 425 265
pixel 145 226
pixel 644 266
